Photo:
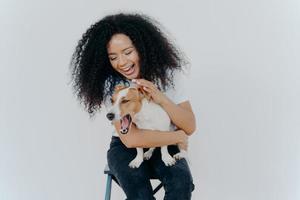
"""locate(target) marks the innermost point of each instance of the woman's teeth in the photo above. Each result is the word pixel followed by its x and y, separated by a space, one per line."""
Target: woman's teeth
pixel 129 70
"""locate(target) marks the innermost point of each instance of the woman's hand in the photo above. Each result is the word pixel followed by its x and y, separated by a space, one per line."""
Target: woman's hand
pixel 184 140
pixel 156 95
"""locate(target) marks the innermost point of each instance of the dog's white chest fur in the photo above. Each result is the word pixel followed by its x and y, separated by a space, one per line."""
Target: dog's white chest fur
pixel 152 116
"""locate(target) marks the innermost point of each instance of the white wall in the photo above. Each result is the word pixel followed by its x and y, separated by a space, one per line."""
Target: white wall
pixel 245 91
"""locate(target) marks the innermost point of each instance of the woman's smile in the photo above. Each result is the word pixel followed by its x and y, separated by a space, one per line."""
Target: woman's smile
pixel 129 69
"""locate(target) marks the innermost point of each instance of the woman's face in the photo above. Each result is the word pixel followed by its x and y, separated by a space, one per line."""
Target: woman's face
pixel 123 56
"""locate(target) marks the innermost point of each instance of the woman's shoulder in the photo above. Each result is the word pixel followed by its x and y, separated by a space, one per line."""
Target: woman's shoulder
pixel 179 91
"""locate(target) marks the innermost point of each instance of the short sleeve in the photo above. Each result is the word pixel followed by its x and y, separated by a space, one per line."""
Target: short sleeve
pixel 179 93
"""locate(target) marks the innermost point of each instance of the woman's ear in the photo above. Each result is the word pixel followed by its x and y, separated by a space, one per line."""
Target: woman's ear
pixel 143 93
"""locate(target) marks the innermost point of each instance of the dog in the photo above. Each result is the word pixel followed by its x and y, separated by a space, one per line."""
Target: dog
pixel 133 105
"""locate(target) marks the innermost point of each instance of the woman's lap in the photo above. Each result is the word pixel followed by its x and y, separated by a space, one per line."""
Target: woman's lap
pixel 136 182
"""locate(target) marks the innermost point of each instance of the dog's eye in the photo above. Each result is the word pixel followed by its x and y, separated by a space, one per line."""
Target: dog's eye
pixel 125 101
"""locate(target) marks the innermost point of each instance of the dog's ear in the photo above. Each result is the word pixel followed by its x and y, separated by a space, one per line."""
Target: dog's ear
pixel 119 87
pixel 143 93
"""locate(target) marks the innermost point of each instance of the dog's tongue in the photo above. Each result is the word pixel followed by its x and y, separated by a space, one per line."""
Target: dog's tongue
pixel 124 122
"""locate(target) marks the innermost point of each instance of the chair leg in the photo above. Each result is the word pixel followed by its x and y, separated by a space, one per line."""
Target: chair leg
pixel 108 187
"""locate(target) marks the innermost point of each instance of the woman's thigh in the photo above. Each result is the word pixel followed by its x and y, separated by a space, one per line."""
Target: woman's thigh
pixel 135 182
pixel 177 179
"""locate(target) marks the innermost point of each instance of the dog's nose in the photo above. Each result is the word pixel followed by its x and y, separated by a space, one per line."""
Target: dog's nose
pixel 110 116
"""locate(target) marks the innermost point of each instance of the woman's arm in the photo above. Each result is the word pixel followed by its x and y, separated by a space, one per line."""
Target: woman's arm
pixel 181 115
pixel 150 138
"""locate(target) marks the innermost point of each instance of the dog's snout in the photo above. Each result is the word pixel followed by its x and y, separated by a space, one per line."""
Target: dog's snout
pixel 110 116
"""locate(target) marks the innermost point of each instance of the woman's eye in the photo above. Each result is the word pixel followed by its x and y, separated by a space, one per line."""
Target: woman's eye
pixel 129 52
pixel 112 58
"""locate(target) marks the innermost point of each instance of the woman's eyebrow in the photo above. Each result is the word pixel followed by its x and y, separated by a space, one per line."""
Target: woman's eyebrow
pixel 112 53
pixel 127 48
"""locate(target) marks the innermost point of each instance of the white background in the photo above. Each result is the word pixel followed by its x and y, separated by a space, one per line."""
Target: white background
pixel 244 89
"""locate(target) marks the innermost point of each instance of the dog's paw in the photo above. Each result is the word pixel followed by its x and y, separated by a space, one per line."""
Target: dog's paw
pixel 148 154
pixel 135 163
pixel 168 160
pixel 180 155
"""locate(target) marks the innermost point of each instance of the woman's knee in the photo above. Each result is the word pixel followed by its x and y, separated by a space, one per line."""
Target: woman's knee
pixel 180 189
pixel 135 183
pixel 179 182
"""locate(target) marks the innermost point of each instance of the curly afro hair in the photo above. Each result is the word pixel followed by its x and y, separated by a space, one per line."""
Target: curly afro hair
pixel 94 78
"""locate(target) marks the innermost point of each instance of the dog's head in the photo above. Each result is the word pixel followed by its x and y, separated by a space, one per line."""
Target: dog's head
pixel 126 102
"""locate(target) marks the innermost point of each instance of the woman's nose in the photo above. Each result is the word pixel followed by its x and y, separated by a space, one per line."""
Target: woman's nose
pixel 122 61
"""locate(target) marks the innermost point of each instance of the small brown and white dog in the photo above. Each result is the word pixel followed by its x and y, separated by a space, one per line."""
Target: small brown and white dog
pixel 132 104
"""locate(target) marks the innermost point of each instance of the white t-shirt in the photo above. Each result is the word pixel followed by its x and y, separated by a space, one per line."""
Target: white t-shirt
pixel 177 94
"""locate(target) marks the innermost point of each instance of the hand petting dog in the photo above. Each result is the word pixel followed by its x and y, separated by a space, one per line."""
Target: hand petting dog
pixel 156 95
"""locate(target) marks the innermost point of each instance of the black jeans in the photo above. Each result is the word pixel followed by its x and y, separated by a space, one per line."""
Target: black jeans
pixel 177 179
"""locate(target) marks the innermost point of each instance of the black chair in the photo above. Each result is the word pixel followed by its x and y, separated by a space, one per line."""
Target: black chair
pixel 111 177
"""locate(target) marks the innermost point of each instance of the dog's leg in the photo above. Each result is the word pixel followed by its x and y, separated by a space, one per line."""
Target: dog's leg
pixel 137 161
pixel 181 154
pixel 166 157
pixel 148 154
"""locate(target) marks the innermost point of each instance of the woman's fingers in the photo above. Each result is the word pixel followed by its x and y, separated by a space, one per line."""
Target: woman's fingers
pixel 144 83
pixel 151 89
pixel 184 141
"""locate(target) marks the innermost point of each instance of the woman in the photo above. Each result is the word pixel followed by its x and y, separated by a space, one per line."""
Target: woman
pixel 130 47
